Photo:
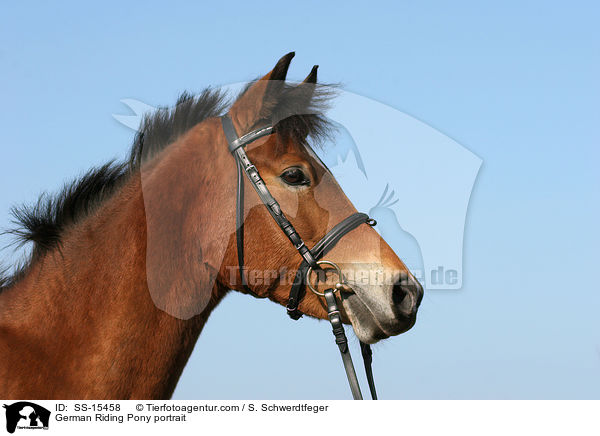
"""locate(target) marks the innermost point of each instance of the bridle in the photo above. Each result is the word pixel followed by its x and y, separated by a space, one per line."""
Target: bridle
pixel 310 257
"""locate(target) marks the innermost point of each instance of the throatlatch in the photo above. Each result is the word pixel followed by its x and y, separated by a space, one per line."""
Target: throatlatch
pixel 310 257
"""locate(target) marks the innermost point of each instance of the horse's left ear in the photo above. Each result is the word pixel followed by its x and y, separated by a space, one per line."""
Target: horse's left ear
pixel 297 99
pixel 259 100
pixel 302 94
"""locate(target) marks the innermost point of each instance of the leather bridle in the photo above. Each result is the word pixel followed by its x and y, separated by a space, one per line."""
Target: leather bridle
pixel 310 257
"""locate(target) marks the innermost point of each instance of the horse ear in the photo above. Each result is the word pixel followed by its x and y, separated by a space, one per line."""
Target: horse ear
pixel 261 97
pixel 300 97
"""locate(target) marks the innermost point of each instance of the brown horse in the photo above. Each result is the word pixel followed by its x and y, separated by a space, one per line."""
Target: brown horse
pixel 129 261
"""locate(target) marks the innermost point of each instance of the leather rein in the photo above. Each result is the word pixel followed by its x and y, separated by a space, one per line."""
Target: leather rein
pixel 310 257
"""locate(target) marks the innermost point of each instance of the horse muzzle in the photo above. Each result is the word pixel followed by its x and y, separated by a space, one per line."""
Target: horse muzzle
pixel 378 311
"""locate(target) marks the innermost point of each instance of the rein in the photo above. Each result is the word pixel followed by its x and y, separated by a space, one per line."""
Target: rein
pixel 310 257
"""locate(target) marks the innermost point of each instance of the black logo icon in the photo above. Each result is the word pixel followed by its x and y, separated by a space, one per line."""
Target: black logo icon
pixel 26 415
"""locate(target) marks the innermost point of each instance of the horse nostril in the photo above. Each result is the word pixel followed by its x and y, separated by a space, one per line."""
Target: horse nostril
pixel 398 294
pixel 407 294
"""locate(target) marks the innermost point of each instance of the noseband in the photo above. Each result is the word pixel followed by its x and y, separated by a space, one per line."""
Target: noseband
pixel 310 257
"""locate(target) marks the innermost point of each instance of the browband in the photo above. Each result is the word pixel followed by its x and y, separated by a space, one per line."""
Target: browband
pixel 232 138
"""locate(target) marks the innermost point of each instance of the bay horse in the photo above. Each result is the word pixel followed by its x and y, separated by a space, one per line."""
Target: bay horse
pixel 129 260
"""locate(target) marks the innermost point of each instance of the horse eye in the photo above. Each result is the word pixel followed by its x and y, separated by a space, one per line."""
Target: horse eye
pixel 295 177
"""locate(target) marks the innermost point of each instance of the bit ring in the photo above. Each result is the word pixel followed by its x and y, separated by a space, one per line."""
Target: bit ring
pixel 332 265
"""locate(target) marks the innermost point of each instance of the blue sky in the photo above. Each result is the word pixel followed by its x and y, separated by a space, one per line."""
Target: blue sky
pixel 514 82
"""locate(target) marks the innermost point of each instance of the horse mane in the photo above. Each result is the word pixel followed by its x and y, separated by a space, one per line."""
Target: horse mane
pixel 44 223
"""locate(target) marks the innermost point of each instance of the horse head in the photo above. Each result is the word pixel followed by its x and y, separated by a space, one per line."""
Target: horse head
pixel 384 295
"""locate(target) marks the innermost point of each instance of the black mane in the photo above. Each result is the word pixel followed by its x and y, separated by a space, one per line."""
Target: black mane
pixel 43 223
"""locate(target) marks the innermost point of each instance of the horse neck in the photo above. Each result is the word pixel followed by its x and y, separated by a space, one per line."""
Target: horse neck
pixel 82 324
